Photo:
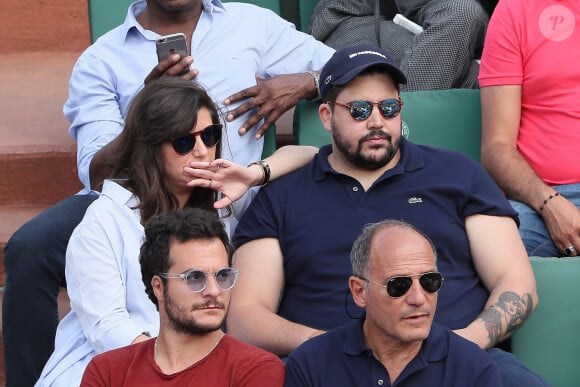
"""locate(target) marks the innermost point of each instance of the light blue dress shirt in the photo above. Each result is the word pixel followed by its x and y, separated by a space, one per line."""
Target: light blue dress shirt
pixel 109 307
pixel 231 44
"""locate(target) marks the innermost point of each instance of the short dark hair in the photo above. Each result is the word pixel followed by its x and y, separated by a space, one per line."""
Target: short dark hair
pixel 180 225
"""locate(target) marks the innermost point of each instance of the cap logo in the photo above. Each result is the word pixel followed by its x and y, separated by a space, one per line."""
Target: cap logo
pixel 355 54
pixel 328 79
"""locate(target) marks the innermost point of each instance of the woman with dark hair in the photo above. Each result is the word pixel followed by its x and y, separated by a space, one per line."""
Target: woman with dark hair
pixel 157 134
pixel 172 125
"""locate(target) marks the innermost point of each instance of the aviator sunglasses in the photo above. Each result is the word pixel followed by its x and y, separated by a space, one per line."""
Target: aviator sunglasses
pixel 397 286
pixel 196 280
pixel 210 136
pixel 361 110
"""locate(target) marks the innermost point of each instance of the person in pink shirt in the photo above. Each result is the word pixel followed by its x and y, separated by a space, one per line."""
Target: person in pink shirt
pixel 530 94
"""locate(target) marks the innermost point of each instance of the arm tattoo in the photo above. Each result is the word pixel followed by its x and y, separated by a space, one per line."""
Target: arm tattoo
pixel 510 311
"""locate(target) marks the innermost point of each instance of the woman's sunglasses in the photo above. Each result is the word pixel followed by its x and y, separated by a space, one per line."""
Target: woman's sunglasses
pixel 397 286
pixel 361 110
pixel 210 136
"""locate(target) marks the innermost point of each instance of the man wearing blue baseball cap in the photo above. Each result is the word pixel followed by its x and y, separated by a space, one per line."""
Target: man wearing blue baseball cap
pixel 294 241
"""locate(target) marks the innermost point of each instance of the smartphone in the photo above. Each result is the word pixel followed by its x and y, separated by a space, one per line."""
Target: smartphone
pixel 171 44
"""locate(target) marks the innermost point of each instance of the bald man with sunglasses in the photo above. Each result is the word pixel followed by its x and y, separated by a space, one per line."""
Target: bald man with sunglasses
pixel 396 281
pixel 294 241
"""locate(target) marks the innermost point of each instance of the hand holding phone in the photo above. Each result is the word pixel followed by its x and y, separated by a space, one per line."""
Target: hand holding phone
pixel 172 44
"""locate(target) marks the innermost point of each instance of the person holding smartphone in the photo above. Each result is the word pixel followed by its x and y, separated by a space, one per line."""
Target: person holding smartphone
pixel 254 63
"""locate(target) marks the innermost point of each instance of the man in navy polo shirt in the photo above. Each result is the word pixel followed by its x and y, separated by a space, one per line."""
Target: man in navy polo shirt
pixel 396 281
pixel 294 241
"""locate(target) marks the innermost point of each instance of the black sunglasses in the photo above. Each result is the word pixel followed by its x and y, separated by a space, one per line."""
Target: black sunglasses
pixel 397 286
pixel 210 137
pixel 361 110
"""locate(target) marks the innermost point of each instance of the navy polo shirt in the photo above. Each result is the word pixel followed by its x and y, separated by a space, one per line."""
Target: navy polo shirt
pixel 317 213
pixel 341 358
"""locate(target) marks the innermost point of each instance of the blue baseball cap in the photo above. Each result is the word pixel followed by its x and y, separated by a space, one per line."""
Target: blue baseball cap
pixel 349 62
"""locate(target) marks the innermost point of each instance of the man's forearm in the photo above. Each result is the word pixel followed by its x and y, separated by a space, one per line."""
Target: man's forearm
pixel 504 317
pixel 500 319
pixel 514 175
pixel 267 330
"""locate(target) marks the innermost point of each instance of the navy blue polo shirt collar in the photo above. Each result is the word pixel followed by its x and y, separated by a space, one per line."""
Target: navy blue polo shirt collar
pixel 411 159
pixel 435 347
pixel 354 342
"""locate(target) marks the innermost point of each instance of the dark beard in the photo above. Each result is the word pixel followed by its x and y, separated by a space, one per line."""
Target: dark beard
pixel 180 322
pixel 357 158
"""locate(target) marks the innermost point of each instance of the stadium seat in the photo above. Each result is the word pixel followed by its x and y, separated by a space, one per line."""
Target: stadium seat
pixel 548 342
pixel 448 119
pixel 306 126
pixel 104 15
pixel 269 142
pixel 305 9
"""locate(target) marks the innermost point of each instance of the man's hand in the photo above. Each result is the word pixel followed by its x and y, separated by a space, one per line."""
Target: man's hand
pixel 270 98
pixel 562 219
pixel 172 66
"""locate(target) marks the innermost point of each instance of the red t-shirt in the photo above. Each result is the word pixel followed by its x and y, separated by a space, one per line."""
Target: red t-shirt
pixel 231 363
